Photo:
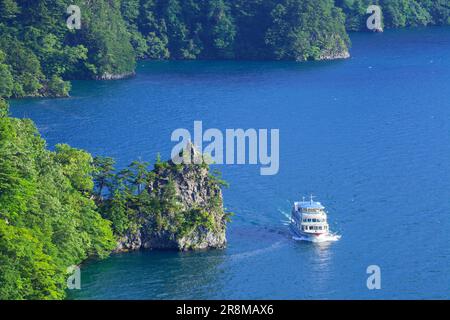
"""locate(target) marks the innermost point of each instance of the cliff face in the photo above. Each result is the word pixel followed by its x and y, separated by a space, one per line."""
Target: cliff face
pixel 188 211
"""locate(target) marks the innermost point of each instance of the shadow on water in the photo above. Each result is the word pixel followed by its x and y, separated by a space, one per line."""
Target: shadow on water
pixel 138 275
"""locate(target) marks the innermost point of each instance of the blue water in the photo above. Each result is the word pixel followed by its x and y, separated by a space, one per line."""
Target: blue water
pixel 370 136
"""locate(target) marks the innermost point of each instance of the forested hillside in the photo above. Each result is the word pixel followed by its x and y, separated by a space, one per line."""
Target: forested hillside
pixel 48 221
pixel 397 13
pixel 38 51
pixel 39 54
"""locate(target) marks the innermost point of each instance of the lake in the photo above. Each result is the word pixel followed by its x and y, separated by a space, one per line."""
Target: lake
pixel 369 136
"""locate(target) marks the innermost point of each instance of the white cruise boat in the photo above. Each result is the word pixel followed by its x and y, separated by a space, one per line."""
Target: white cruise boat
pixel 309 222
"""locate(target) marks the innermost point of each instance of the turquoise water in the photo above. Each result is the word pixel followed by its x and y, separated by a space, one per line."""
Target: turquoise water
pixel 370 136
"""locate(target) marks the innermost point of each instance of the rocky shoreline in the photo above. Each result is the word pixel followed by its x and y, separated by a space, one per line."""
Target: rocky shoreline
pixel 200 221
pixel 120 76
pixel 334 55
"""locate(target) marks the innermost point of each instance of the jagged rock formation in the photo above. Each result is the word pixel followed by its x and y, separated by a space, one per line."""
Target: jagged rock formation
pixel 187 210
pixel 330 55
pixel 110 76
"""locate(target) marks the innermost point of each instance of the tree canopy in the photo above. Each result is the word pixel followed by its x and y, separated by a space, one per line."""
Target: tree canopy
pixel 48 219
pixel 39 53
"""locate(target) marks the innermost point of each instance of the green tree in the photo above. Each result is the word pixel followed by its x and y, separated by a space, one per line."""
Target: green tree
pixel 8 10
pixel 103 174
pixel 307 29
pixel 6 78
pixel 221 29
pixel 48 219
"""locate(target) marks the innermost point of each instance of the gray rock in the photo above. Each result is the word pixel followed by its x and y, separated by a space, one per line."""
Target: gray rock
pixel 195 189
pixel 109 76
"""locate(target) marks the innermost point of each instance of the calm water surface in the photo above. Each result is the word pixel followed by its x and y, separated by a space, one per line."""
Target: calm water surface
pixel 370 136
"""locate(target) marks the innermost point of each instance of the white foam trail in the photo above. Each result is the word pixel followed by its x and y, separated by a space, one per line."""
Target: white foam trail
pixel 323 238
pixel 286 215
pixel 256 252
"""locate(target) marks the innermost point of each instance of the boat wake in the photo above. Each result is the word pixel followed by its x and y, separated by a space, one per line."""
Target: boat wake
pixel 287 216
pixel 256 252
pixel 323 238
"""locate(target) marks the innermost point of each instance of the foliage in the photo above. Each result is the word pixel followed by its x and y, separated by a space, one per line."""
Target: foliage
pixel 6 78
pixel 48 220
pixel 39 54
pixel 397 13
pixel 307 29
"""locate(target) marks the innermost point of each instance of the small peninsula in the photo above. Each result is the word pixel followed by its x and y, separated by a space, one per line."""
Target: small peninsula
pixel 59 208
pixel 40 55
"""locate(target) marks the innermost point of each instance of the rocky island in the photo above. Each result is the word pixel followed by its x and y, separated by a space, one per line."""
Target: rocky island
pixel 174 207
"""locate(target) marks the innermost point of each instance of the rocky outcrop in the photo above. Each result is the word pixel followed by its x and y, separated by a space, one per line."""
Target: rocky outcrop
pixel 333 55
pixel 199 220
pixel 336 49
pixel 109 76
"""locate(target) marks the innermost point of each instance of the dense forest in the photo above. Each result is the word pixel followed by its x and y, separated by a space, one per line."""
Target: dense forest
pixel 39 54
pixel 48 221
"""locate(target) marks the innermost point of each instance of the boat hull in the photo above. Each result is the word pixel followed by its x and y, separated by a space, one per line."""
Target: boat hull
pixel 313 237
